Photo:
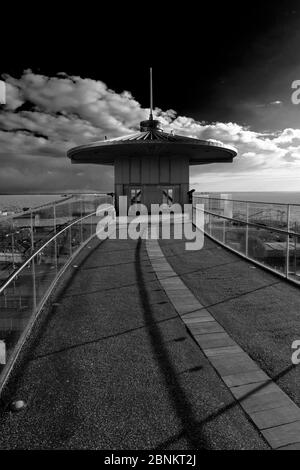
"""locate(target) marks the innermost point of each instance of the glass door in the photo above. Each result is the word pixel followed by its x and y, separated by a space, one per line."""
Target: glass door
pixel 135 196
pixel 167 196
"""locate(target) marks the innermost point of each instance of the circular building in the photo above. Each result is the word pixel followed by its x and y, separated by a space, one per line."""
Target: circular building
pixel 152 166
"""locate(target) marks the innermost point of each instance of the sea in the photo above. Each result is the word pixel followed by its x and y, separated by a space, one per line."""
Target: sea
pixel 279 197
pixel 19 202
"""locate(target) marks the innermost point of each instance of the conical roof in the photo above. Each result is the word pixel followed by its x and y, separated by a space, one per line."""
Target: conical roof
pixel 152 141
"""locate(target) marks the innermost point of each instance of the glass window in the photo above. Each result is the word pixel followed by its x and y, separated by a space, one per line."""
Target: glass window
pixel 168 196
pixel 135 195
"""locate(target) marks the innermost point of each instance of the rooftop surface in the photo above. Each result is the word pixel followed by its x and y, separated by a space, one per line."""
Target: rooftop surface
pixel 114 365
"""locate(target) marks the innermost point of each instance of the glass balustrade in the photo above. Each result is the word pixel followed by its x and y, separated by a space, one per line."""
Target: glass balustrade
pixel 266 233
pixel 23 233
pixel 39 244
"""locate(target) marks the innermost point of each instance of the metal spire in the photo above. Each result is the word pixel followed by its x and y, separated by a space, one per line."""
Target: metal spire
pixel 150 125
pixel 151 96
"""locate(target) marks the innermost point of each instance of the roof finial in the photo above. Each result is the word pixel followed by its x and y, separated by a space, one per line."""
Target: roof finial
pixel 151 96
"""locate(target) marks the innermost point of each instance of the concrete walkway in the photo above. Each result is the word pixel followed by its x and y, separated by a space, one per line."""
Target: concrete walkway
pixel 113 366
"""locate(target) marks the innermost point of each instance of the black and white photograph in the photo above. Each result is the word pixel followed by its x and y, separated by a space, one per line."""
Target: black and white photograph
pixel 150 229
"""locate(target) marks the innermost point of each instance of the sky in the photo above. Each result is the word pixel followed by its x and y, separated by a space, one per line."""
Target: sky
pixel 220 72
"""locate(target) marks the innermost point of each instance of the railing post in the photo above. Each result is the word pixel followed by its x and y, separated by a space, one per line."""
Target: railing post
pixel 70 229
pixel 247 228
pixel 81 222
pixel 55 240
pixel 91 226
pixel 70 240
pixel 295 255
pixel 33 263
pixel 13 250
pixel 193 210
pixel 287 254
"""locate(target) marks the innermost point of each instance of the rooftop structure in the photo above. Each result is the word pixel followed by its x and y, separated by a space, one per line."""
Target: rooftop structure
pixel 152 166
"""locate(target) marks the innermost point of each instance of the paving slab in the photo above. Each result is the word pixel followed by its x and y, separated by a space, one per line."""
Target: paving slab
pixel 260 388
pixel 276 416
pixel 183 305
pixel 203 318
pixel 295 446
pixel 164 275
pixel 214 340
pixel 196 313
pixel 257 402
pixel 205 327
pixel 233 363
pixel 245 378
pixel 283 435
pixel 223 351
pixel 173 283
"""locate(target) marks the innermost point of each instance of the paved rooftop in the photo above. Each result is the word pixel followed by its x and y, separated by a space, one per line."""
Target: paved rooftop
pixel 114 366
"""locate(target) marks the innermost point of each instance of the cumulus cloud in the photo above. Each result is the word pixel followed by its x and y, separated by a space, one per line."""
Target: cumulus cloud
pixel 45 116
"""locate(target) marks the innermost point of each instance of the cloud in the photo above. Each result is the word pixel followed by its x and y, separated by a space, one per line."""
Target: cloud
pixel 14 97
pixel 45 116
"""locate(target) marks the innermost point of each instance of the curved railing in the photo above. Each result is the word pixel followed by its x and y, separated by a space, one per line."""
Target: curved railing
pixel 265 233
pixel 25 291
pixel 25 231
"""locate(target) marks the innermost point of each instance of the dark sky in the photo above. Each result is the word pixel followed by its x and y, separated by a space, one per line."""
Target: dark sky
pixel 212 61
pixel 226 68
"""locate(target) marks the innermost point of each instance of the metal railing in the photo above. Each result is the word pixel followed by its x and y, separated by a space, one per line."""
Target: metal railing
pixel 24 232
pixel 265 233
pixel 25 291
